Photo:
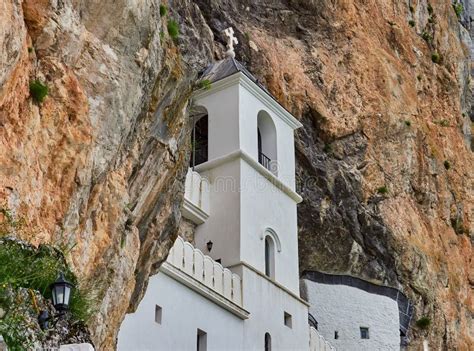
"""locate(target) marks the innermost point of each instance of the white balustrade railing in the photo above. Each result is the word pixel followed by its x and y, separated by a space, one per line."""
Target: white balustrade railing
pixel 204 269
pixel 317 341
pixel 196 195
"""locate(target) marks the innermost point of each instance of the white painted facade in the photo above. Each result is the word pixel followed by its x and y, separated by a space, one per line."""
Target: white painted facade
pixel 246 199
pixel 183 312
pixel 346 309
pixel 248 212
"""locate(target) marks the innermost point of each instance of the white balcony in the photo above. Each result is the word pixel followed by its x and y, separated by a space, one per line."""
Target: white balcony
pixel 196 197
pixel 207 277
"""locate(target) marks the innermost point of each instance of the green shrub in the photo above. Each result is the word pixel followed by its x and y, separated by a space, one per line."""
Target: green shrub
pixel 411 9
pixel 458 8
pixel 447 164
pixel 418 77
pixel 427 37
pixel 458 226
pixel 408 123
pixel 163 10
pixel 411 23
pixel 436 58
pixel 430 9
pixel 423 323
pixel 431 20
pixel 204 84
pixel 382 190
pixel 442 123
pixel 30 49
pixel 327 148
pixel 38 91
pixel 173 29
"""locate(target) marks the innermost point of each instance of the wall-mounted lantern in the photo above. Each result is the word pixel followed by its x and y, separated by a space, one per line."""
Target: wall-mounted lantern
pixel 61 295
pixel 209 245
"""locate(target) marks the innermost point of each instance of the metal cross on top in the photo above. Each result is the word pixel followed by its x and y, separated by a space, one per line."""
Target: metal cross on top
pixel 231 41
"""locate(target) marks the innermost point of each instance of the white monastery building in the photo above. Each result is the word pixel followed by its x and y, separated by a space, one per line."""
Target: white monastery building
pixel 236 285
pixel 243 293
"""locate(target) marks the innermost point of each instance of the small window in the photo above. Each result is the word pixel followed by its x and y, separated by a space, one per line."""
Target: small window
pixel 287 319
pixel 201 340
pixel 364 333
pixel 336 335
pixel 268 342
pixel 158 313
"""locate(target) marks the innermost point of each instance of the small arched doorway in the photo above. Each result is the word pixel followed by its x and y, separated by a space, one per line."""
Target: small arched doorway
pixel 268 342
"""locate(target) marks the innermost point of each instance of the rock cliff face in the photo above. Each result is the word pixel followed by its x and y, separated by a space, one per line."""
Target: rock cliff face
pixel 99 165
pixel 384 159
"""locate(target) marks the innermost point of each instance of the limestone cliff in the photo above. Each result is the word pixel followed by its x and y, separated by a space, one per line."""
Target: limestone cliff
pixel 99 164
pixel 385 165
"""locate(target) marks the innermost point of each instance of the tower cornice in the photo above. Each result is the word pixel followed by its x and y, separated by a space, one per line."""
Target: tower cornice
pixel 256 166
pixel 268 100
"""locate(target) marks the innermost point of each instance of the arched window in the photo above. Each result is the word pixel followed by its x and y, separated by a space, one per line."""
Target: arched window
pixel 267 142
pixel 269 257
pixel 268 342
pixel 199 138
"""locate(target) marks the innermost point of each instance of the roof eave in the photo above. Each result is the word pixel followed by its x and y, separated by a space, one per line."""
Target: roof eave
pixel 267 99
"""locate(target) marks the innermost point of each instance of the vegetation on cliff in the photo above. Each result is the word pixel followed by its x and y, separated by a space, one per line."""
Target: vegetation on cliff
pixel 26 273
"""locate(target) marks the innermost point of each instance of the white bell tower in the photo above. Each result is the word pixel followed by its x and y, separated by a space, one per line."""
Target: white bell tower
pixel 250 166
pixel 240 193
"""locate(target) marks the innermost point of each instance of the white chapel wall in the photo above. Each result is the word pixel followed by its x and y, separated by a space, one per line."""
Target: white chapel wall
pixel 183 312
pixel 267 303
pixel 223 225
pixel 265 206
pixel 222 108
pixel 345 309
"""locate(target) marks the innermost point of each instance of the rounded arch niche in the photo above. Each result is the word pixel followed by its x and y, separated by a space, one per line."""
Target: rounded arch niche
pixel 199 136
pixel 270 232
pixel 267 142
pixel 272 245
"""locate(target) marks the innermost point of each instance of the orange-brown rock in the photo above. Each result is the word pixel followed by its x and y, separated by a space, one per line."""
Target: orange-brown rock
pixel 385 164
pixel 98 166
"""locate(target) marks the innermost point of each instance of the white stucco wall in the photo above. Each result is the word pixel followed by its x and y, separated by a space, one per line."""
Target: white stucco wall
pixel 345 309
pixel 243 203
pixel 267 303
pixel 183 312
pixel 223 116
pixel 223 226
pixel 265 206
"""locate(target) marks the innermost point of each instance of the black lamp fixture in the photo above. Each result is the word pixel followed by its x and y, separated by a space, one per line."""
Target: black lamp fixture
pixel 61 295
pixel 209 245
